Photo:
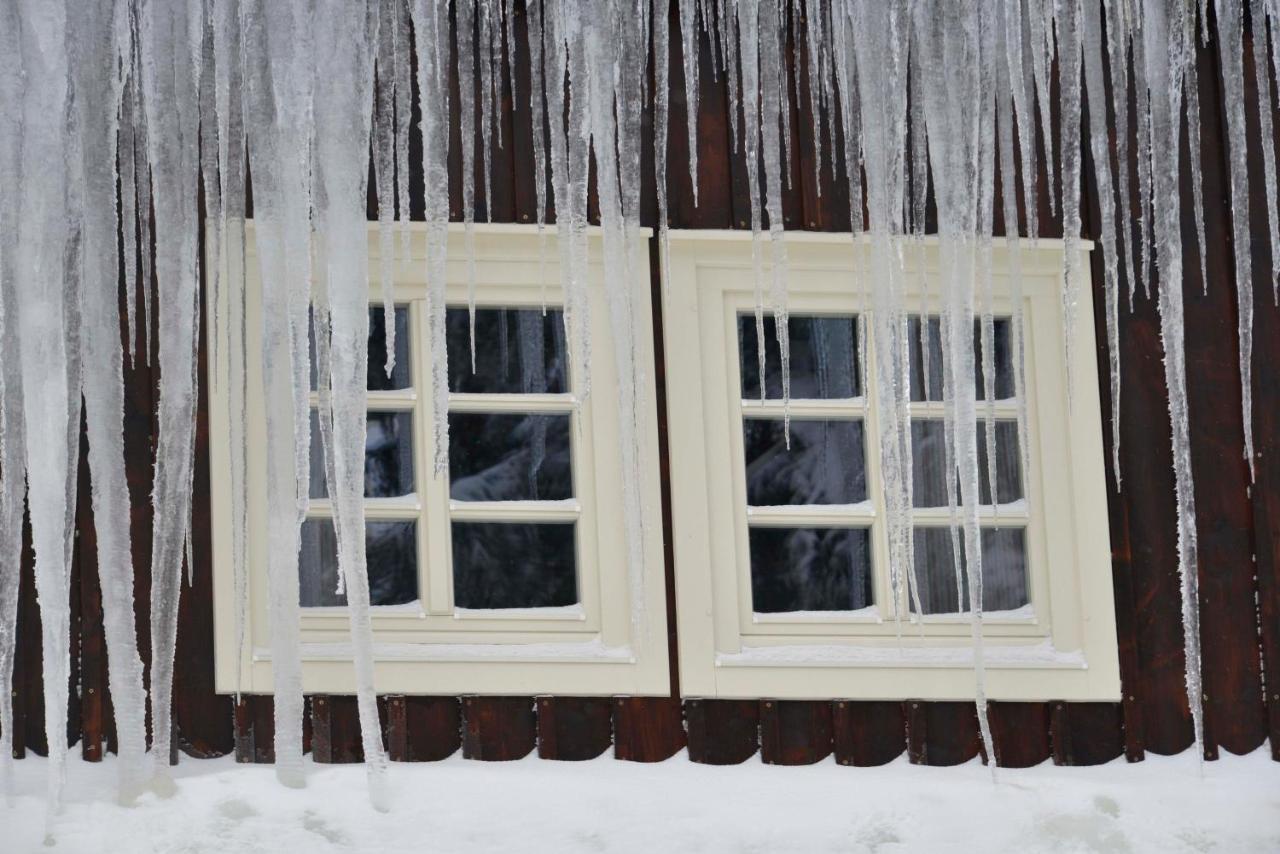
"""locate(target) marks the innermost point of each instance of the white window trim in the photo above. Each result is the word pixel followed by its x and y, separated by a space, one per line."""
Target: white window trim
pixel 1062 647
pixel 428 646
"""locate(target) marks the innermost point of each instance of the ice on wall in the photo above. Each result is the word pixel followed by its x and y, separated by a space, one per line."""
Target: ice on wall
pixel 125 110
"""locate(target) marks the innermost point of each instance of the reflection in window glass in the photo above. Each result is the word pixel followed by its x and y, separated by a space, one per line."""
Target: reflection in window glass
pixel 388 456
pixel 510 565
pixel 518 351
pixel 928 464
pixel 826 463
pixel 1004 570
pixel 824 358
pixel 1003 361
pixel 509 457
pixel 810 569
pixel 391 550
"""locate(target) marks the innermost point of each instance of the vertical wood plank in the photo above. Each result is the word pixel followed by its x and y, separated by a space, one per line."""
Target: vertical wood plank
pixel 950 733
pixel 1019 733
pixel 795 732
pixel 868 733
pixel 574 728
pixel 1085 733
pixel 722 732
pixel 498 729
pixel 917 732
pixel 647 729
pixel 423 729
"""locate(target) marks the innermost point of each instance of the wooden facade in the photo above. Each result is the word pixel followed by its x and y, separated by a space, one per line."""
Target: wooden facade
pixel 1239 523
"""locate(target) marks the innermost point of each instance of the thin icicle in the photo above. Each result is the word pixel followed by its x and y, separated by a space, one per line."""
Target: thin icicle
pixel 12 423
pixel 1069 86
pixel 1163 80
pixel 1117 30
pixel 773 105
pixel 1100 149
pixel 384 161
pixel 465 11
pixel 1230 19
pixel 171 44
pixel 1257 17
pixel 431 27
pixel 402 76
pixel 689 50
pixel 1192 87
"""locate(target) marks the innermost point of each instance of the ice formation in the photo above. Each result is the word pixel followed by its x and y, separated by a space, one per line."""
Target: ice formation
pixel 125 111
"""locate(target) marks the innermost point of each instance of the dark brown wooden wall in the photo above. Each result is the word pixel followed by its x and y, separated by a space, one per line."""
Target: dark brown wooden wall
pixel 1239 525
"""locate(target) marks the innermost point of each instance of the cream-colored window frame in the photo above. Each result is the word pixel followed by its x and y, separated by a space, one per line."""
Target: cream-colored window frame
pixel 1062 647
pixel 429 646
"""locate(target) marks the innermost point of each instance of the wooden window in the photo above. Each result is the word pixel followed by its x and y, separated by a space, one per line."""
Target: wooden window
pixel 783 586
pixel 505 573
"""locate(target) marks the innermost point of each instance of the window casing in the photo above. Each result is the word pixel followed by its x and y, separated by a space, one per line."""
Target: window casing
pixel 1060 644
pixel 439 635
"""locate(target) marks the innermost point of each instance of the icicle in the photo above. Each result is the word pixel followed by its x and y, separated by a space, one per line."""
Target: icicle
pixel 344 85
pixel 1117 30
pixel 279 79
pixel 465 11
pixel 384 159
pixel 171 47
pixel 1192 88
pixel 1005 111
pixel 1229 16
pixel 1163 81
pixel 1257 17
pixel 990 26
pixel 1145 223
pixel 1041 47
pixel 402 77
pixel 210 149
pixel 1021 85
pixel 128 214
pixel 12 423
pixel 748 52
pixel 772 106
pixel 661 127
pixel 488 83
pixel 689 49
pixel 1069 88
pixel 533 24
pixel 96 36
pixel 431 27
pixel 1100 149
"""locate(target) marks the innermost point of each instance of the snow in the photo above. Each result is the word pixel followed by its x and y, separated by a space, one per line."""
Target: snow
pixel 1161 805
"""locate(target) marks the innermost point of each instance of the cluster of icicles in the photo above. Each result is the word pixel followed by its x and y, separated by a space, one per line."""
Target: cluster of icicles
pixel 113 111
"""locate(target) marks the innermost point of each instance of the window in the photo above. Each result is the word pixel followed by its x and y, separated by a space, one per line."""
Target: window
pixel 783 587
pixel 497 576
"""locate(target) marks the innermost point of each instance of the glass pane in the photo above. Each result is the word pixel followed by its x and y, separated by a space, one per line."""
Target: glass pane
pixel 810 569
pixel 518 351
pixel 391 549
pixel 499 565
pixel 1004 570
pixel 509 457
pixel 388 456
pixel 825 465
pixel 928 461
pixel 1003 364
pixel 377 376
pixel 824 357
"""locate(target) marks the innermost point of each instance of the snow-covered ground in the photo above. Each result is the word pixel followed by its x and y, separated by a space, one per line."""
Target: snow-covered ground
pixel 1161 805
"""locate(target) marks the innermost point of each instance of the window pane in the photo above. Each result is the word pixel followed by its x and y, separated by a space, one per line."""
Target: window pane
pixel 518 351
pixel 377 376
pixel 509 457
pixel 499 565
pixel 928 461
pixel 1003 359
pixel 810 569
pixel 1004 570
pixel 824 357
pixel 388 456
pixel 391 550
pixel 825 465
